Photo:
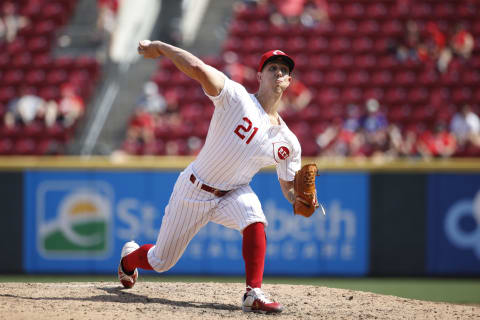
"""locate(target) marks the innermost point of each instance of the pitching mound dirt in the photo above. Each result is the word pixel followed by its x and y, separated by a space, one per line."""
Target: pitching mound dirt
pixel 175 300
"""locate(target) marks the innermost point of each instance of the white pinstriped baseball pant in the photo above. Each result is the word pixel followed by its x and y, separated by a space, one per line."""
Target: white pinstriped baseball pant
pixel 190 208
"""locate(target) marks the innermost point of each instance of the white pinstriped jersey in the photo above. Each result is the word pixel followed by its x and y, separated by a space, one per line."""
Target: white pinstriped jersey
pixel 241 140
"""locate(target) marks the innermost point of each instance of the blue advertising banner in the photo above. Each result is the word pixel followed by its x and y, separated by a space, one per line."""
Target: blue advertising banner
pixel 78 221
pixel 454 224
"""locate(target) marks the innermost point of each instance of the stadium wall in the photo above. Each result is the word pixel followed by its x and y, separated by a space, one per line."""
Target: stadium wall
pixel 72 215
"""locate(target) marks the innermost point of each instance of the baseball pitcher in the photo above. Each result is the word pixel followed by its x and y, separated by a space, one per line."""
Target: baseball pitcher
pixel 246 134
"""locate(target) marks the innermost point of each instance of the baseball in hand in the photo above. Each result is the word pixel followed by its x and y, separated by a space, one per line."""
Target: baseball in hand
pixel 145 43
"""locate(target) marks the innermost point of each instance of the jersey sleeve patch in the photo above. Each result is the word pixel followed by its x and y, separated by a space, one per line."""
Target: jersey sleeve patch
pixel 281 151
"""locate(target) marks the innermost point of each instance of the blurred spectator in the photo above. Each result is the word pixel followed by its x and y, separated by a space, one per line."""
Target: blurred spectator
pixel 435 38
pixel 409 47
pixel 444 58
pixel 292 12
pixel 353 121
pixel 440 143
pixel 106 16
pixel 11 22
pixel 462 42
pixel 445 141
pixel 408 146
pixel 314 12
pixel 235 70
pixel 251 4
pixel 437 47
pixel 431 45
pixel 375 119
pixel 375 126
pixel 23 110
pixel 296 98
pixel 151 100
pixel 107 11
pixel 172 102
pixel 328 137
pixel 140 133
pixel 194 145
pixel 395 141
pixel 70 108
pixel 465 126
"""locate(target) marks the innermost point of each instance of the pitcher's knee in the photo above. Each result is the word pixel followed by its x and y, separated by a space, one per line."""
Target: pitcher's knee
pixel 158 263
pixel 162 267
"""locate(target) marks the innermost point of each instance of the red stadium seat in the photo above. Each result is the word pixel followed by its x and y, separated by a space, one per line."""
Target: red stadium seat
pixel 21 61
pixel 381 78
pixel 24 146
pixel 313 78
pixel 317 44
pixel 274 42
pixel 395 95
pixel 346 27
pixel 38 45
pixel 253 44
pixel 405 78
pixel 351 95
pixel 56 77
pixel 7 93
pixel 17 46
pixel 13 77
pixel 365 61
pixel 334 78
pixel 354 10
pixel 54 11
pixel 358 78
pixel 418 95
pixel 421 10
pixel 35 77
pixel 376 10
pixel 64 63
pixel 42 61
pixel 443 10
pixel 49 93
pixel 6 146
pixel 392 28
pixel 295 45
pixel 399 113
pixel 368 28
pixel 343 61
pixel 339 45
pixel 259 28
pixel 362 45
pixel 238 28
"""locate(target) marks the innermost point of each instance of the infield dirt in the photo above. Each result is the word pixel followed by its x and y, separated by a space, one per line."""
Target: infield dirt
pixel 176 300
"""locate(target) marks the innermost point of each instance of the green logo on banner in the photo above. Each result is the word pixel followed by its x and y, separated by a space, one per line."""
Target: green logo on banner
pixel 81 224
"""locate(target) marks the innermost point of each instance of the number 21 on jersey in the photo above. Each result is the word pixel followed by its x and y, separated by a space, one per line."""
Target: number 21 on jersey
pixel 243 131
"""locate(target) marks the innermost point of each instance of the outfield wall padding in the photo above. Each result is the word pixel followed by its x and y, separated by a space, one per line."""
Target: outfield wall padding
pixel 11 233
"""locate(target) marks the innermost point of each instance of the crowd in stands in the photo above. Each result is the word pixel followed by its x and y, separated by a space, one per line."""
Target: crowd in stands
pixel 433 44
pixel 368 133
pixel 395 78
pixel 11 22
pixel 308 13
pixel 42 97
pixel 408 88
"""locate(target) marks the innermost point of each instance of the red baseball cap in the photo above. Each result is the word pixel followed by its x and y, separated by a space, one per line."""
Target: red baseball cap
pixel 272 54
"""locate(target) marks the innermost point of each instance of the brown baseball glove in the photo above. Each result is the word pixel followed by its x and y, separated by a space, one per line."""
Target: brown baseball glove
pixel 305 193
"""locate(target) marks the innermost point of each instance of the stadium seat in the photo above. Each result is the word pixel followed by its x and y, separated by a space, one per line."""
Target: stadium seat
pixel 348 59
pixel 6 146
pixel 24 146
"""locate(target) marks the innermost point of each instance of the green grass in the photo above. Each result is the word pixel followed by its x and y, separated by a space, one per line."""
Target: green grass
pixel 462 290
